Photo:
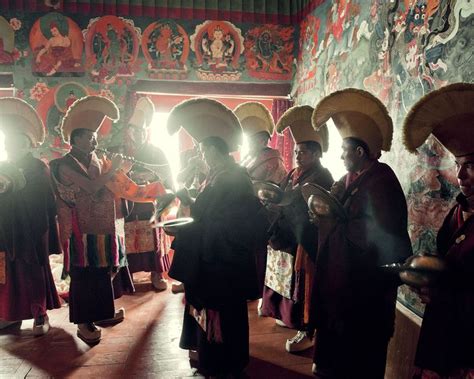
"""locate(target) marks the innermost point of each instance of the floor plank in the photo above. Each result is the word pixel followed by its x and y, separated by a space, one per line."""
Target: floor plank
pixel 145 345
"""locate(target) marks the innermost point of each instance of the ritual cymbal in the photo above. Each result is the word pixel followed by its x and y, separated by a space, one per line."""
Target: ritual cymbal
pixel 321 202
pixel 421 270
pixel 172 226
pixel 268 192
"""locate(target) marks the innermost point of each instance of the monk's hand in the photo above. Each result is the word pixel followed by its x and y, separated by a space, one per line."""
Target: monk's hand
pixel 116 160
pixel 338 189
pixel 198 164
pixel 424 293
pixel 5 185
pixel 313 218
pixel 470 204
pixel 126 165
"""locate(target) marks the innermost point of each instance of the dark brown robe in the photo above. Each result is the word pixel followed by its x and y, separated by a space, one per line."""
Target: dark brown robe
pixel 446 342
pixel 293 229
pixel 28 234
pixel 267 166
pixel 215 259
pixel 354 301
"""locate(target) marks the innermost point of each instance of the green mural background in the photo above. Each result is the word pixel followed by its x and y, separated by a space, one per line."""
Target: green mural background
pixel 399 51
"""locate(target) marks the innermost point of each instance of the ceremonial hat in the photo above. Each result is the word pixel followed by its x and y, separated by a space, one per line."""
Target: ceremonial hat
pixel 254 118
pixel 357 114
pixel 298 119
pixel 448 114
pixel 17 115
pixel 203 118
pixel 89 113
pixel 143 113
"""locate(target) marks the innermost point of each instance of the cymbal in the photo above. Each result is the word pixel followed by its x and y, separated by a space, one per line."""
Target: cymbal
pixel 418 271
pixel 171 227
pixel 320 201
pixel 268 192
pixel 10 174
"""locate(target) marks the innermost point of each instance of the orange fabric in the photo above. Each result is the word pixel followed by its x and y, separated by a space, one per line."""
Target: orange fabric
pixel 124 187
pixel 303 263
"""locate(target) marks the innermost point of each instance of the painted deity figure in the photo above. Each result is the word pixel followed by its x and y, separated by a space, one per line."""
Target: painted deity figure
pixel 56 55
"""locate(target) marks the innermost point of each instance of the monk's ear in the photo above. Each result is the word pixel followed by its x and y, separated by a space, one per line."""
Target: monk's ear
pixel 360 151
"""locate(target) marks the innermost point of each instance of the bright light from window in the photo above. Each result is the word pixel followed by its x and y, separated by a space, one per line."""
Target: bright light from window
pixel 3 153
pixel 168 144
pixel 244 149
pixel 332 158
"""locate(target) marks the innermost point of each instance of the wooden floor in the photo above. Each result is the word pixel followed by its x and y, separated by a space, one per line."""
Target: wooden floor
pixel 145 345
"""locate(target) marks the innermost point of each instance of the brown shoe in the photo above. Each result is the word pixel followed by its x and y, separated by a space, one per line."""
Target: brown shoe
pixel 177 288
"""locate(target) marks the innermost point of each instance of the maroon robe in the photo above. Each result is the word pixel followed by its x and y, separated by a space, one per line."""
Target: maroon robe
pixel 267 166
pixel 293 228
pixel 446 342
pixel 28 234
pixel 354 301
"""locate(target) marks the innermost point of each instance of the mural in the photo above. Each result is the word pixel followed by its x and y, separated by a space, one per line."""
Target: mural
pixel 57 45
pixel 399 50
pixel 112 45
pixel 218 46
pixel 9 54
pixel 107 55
pixel 307 49
pixel 165 46
pixel 269 52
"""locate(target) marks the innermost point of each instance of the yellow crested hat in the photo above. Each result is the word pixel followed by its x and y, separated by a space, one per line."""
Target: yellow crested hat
pixel 298 119
pixel 357 114
pixel 448 114
pixel 17 115
pixel 254 118
pixel 89 113
pixel 203 118
pixel 143 113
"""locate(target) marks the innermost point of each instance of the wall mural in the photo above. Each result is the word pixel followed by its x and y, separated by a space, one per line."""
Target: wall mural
pixel 269 52
pixel 218 46
pixel 56 58
pixel 57 45
pixel 399 50
pixel 112 45
pixel 9 54
pixel 165 45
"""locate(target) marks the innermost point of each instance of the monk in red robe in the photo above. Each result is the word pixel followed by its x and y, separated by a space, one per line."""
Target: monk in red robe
pixel 288 298
pixel 143 243
pixel 262 162
pixel 91 215
pixel 354 300
pixel 446 342
pixel 28 228
pixel 215 255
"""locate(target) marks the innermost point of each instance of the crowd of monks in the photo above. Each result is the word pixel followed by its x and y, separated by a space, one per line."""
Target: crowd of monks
pixel 257 231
